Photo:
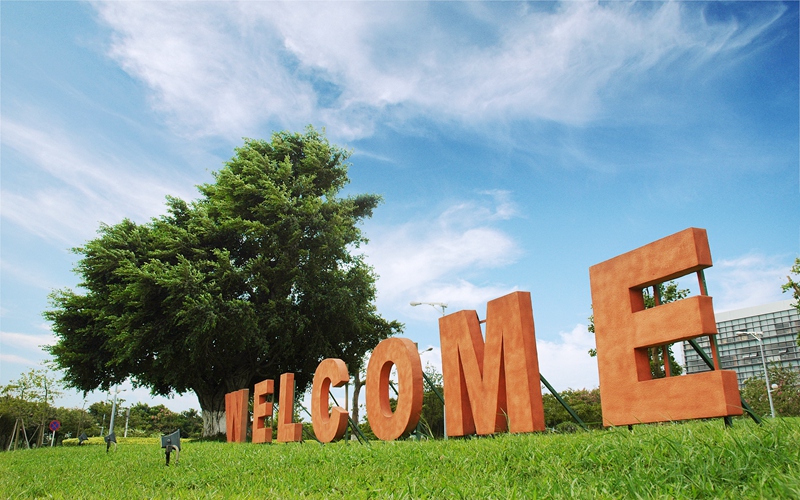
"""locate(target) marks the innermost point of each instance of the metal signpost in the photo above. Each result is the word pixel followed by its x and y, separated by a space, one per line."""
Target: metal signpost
pixel 54 426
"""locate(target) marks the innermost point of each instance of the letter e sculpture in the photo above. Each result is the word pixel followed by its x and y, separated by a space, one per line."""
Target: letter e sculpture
pixel 262 411
pixel 624 330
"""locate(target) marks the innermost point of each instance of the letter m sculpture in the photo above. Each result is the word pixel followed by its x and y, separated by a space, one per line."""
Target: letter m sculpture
pixel 494 385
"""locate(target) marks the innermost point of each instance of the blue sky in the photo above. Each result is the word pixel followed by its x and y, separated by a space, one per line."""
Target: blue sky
pixel 515 144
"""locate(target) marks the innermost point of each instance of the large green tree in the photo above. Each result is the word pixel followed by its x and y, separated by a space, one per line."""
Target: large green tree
pixel 257 277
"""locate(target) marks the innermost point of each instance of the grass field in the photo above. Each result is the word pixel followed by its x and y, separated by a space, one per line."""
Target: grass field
pixel 689 460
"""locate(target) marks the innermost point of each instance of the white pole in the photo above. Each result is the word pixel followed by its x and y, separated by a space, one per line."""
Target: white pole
pixel 766 376
pixel 113 413
pixel 127 417
pixel 759 337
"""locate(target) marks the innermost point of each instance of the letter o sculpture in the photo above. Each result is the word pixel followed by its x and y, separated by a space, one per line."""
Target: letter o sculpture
pixel 403 354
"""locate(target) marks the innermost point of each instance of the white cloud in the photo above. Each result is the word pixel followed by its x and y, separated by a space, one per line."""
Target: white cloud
pixel 17 360
pixel 438 261
pixel 432 358
pixel 76 189
pixel 567 364
pixel 34 277
pixel 26 341
pixel 222 68
pixel 747 281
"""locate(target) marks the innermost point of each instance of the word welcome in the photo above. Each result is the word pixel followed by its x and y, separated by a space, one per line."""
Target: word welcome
pixel 493 385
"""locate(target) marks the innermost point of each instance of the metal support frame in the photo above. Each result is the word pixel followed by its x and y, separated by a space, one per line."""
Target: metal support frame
pixel 563 403
pixel 715 363
pixel 309 416
pixel 359 435
pixel 712 361
pixel 441 398
pixel 710 364
pixel 417 430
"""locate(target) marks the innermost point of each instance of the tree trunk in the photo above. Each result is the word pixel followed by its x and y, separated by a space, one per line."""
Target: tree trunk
pixel 41 435
pixel 212 401
pixel 357 385
pixel 213 423
pixel 213 409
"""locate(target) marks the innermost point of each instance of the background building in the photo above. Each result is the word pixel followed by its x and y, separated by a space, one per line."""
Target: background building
pixel 780 323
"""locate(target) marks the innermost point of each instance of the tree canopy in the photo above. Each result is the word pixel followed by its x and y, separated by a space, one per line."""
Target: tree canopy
pixel 257 277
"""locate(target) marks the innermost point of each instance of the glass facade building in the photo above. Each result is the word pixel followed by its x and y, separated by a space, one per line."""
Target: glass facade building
pixel 780 324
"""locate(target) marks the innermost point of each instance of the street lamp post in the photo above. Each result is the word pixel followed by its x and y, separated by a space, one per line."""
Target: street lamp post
pixel 127 418
pixel 103 426
pixel 759 337
pixel 444 407
pixel 113 411
pixel 432 304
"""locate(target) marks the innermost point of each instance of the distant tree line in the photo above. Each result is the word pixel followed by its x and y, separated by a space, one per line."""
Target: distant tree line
pixel 785 387
pixel 584 402
pixel 27 404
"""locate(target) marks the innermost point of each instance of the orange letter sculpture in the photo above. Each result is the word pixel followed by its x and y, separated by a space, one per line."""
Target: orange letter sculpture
pixel 262 411
pixel 287 431
pixel 236 415
pixel 482 390
pixel 624 330
pixel 328 427
pixel 403 354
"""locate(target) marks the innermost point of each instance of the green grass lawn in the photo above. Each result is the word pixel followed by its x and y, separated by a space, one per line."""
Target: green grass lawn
pixel 689 460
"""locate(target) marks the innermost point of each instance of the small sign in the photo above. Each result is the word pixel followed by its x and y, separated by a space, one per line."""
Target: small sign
pixel 55 425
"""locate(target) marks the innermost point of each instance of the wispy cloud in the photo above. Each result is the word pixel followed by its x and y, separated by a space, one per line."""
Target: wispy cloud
pixel 222 69
pixel 430 260
pixel 32 277
pixel 23 345
pixel 75 189
pixel 13 359
pixel 749 280
pixel 27 341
